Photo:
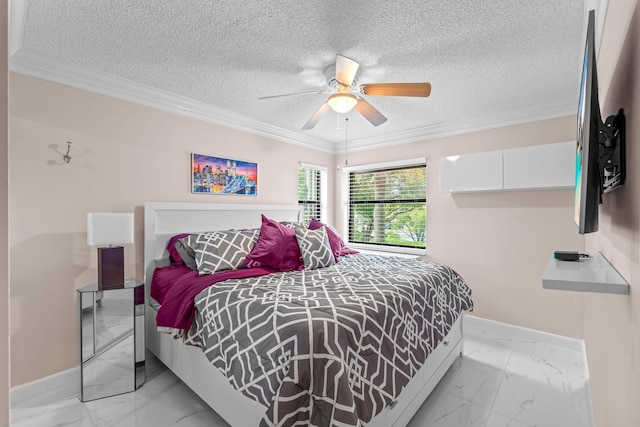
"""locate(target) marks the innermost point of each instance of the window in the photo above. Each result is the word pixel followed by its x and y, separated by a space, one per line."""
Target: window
pixel 387 204
pixel 312 194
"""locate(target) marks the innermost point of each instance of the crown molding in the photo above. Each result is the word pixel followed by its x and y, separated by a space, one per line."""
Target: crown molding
pixel 478 124
pixel 34 64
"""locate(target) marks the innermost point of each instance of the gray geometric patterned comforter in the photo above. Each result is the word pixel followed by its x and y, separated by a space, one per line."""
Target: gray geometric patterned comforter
pixel 331 346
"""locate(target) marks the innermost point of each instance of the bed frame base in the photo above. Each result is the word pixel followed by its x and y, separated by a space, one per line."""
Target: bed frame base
pixel 190 365
pixel 421 385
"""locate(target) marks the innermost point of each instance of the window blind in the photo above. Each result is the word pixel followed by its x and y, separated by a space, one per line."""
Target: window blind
pixel 310 193
pixel 387 206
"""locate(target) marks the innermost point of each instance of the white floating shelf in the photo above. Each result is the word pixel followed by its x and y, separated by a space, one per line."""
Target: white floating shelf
pixel 593 274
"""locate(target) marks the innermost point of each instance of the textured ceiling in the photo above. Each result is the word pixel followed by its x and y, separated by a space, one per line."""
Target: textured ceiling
pixel 489 62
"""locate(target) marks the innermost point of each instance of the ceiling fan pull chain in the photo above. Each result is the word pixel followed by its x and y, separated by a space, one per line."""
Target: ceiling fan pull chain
pixel 346 140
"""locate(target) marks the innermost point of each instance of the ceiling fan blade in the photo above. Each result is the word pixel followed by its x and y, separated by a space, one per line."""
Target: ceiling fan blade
pixel 312 92
pixel 369 112
pixel 397 89
pixel 346 70
pixel 317 116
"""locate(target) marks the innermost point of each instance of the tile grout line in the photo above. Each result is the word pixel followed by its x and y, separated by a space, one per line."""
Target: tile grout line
pixel 493 401
pixel 592 416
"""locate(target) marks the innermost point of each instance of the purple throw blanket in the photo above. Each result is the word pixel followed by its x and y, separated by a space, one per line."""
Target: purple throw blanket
pixel 176 286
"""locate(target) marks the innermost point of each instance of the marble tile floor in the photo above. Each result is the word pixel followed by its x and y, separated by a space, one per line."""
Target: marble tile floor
pixel 507 377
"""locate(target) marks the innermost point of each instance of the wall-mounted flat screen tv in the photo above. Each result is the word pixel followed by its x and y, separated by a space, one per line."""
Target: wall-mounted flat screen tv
pixel 600 159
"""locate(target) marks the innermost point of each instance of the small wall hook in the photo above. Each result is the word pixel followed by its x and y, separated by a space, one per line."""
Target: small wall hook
pixel 67 158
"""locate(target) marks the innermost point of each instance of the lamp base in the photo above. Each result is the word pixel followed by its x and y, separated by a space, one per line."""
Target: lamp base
pixel 111 267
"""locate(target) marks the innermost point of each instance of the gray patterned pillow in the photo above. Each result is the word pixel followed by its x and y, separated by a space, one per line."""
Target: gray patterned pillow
pixel 315 248
pixel 187 253
pixel 294 225
pixel 222 250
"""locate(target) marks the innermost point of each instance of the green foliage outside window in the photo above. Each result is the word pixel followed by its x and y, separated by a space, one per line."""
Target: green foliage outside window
pixel 388 207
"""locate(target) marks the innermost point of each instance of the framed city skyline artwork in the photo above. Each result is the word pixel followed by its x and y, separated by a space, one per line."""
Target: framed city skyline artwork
pixel 217 175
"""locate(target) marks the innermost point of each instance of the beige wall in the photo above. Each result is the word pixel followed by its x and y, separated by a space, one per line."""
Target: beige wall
pixel 123 156
pixel 4 225
pixel 500 242
pixel 612 322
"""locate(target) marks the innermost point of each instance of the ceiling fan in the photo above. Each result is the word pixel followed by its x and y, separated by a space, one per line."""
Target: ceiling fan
pixel 345 93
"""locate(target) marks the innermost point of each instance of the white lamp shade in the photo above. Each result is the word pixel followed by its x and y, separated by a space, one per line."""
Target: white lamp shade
pixel 109 229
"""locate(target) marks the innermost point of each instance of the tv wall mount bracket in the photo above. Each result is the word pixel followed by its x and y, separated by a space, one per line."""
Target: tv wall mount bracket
pixel 611 151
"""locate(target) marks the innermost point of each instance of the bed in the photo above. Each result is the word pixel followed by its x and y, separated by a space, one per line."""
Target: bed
pixel 393 397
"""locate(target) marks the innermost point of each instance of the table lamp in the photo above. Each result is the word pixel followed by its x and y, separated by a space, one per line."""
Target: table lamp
pixel 110 231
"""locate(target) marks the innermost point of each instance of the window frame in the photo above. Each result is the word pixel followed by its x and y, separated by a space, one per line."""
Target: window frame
pixel 347 199
pixel 321 191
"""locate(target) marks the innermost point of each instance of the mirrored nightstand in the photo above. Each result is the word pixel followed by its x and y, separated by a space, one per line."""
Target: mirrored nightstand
pixel 112 347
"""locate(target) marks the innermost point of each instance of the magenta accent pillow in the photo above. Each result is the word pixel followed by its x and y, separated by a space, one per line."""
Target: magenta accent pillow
pixel 277 247
pixel 173 252
pixel 335 241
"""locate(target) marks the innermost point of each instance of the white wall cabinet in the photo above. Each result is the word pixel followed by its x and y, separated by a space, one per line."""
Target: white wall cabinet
pixel 550 166
pixel 471 172
pixel 540 167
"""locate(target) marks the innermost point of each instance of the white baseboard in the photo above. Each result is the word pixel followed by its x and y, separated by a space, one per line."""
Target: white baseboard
pixel 53 388
pixel 525 333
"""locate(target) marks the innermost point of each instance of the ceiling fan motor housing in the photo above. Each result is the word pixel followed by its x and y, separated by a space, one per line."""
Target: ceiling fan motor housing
pixel 334 84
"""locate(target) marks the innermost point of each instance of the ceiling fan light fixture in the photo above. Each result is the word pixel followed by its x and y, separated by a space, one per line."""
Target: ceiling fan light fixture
pixel 342 102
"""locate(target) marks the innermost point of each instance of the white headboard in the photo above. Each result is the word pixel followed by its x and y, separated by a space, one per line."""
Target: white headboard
pixel 164 220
